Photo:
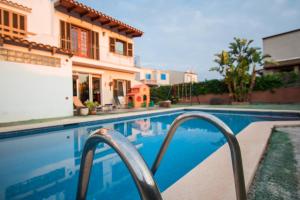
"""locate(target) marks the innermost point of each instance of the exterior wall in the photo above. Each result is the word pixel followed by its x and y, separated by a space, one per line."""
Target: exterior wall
pixel 176 77
pixel 107 76
pixel 47 31
pixel 35 91
pixel 280 95
pixel 158 77
pixel 283 47
pixel 155 76
pixel 48 90
pixel 190 77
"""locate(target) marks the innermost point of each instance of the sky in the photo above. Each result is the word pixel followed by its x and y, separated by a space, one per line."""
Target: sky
pixel 186 34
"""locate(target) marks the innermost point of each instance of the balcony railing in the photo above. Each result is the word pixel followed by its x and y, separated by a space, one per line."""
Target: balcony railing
pixel 149 82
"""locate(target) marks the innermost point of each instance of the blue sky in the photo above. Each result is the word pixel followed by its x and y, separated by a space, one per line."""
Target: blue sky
pixel 185 34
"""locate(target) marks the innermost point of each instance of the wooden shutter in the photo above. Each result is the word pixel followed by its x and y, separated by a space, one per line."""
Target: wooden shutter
pixel 115 87
pixel 65 35
pixel 112 44
pixel 128 86
pixel 125 48
pixel 95 45
pixel 130 52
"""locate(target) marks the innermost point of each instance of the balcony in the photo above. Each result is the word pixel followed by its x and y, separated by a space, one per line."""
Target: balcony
pixel 150 82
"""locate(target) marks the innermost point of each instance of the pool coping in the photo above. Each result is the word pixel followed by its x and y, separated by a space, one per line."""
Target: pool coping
pixel 208 181
pixel 102 118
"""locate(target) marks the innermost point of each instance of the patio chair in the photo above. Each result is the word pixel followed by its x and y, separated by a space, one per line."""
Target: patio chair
pixel 80 108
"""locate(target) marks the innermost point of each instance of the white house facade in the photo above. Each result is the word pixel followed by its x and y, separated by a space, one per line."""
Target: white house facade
pixel 51 51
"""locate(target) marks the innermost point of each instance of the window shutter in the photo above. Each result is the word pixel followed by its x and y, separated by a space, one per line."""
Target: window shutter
pixel 112 44
pixel 128 86
pixel 65 36
pixel 125 49
pixel 130 52
pixel 97 46
pixel 94 45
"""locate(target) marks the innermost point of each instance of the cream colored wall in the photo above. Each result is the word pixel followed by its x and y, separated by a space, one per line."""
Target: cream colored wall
pixel 155 75
pixel 106 57
pixel 190 77
pixel 44 22
pixel 158 77
pixel 283 47
pixel 31 91
pixel 107 76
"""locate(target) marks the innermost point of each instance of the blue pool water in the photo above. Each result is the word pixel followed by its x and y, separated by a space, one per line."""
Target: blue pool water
pixel 45 165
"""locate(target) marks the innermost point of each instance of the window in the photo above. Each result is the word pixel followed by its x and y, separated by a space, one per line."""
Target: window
pixel 148 76
pixel 12 24
pixel 163 77
pixel 81 42
pixel 120 47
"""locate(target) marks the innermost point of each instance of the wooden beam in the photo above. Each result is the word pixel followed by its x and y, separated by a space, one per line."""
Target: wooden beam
pixel 95 18
pixel 115 26
pixel 129 32
pixel 71 8
pixel 106 22
pixel 84 14
pixel 122 29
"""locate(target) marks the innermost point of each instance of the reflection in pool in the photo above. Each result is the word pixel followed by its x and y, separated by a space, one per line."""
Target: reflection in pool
pixel 46 165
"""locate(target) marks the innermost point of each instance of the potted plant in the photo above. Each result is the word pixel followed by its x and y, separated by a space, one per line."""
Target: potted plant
pixel 92 106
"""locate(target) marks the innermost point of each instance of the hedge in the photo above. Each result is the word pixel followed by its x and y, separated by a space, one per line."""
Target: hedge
pixel 263 83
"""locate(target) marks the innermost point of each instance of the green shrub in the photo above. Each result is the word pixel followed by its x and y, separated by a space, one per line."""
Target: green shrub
pixel 144 104
pixel 263 83
pixel 268 82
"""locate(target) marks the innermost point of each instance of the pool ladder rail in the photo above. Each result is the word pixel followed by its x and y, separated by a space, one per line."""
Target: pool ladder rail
pixel 142 176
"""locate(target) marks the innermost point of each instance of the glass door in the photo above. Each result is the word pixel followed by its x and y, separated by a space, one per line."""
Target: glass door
pixel 96 87
pixel 83 86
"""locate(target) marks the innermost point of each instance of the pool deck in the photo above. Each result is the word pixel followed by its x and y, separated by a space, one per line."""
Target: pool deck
pixel 212 178
pixel 91 118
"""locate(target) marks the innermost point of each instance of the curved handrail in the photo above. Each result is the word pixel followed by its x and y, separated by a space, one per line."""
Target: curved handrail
pixel 232 141
pixel 138 169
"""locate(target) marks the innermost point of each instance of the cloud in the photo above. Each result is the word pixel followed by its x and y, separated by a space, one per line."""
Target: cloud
pixel 183 35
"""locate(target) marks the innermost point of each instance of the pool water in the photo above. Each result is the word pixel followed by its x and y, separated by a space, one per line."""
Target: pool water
pixel 45 165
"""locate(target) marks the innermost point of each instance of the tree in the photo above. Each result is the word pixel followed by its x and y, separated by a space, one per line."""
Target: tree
pixel 238 67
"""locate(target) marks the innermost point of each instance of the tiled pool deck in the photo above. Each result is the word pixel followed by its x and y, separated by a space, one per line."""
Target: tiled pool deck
pixel 213 178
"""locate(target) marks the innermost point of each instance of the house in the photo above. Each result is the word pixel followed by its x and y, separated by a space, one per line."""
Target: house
pixel 153 77
pixel 51 51
pixel 284 48
pixel 177 77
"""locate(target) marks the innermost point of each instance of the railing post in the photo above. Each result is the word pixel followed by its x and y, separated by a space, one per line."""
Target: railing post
pixel 138 169
pixel 235 151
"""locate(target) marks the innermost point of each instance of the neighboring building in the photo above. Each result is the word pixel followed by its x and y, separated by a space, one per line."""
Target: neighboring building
pixel 53 50
pixel 177 77
pixel 153 77
pixel 284 48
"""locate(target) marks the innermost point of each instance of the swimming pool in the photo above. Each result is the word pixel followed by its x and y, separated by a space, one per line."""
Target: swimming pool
pixel 44 163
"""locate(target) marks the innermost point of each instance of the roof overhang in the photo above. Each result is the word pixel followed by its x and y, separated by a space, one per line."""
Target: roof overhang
pixel 283 63
pixel 131 70
pixel 83 12
pixel 33 45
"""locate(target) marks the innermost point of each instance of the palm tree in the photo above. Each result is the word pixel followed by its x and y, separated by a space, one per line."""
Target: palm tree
pixel 238 67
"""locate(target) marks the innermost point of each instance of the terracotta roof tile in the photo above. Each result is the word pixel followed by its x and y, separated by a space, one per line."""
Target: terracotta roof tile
pixel 33 45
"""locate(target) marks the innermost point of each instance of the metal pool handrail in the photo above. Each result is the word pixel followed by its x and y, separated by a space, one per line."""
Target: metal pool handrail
pixel 236 157
pixel 138 169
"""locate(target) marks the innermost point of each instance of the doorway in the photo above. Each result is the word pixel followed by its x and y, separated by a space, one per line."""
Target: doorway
pixel 87 87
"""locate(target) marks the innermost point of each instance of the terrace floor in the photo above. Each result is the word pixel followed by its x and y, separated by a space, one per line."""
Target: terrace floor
pixel 287 107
